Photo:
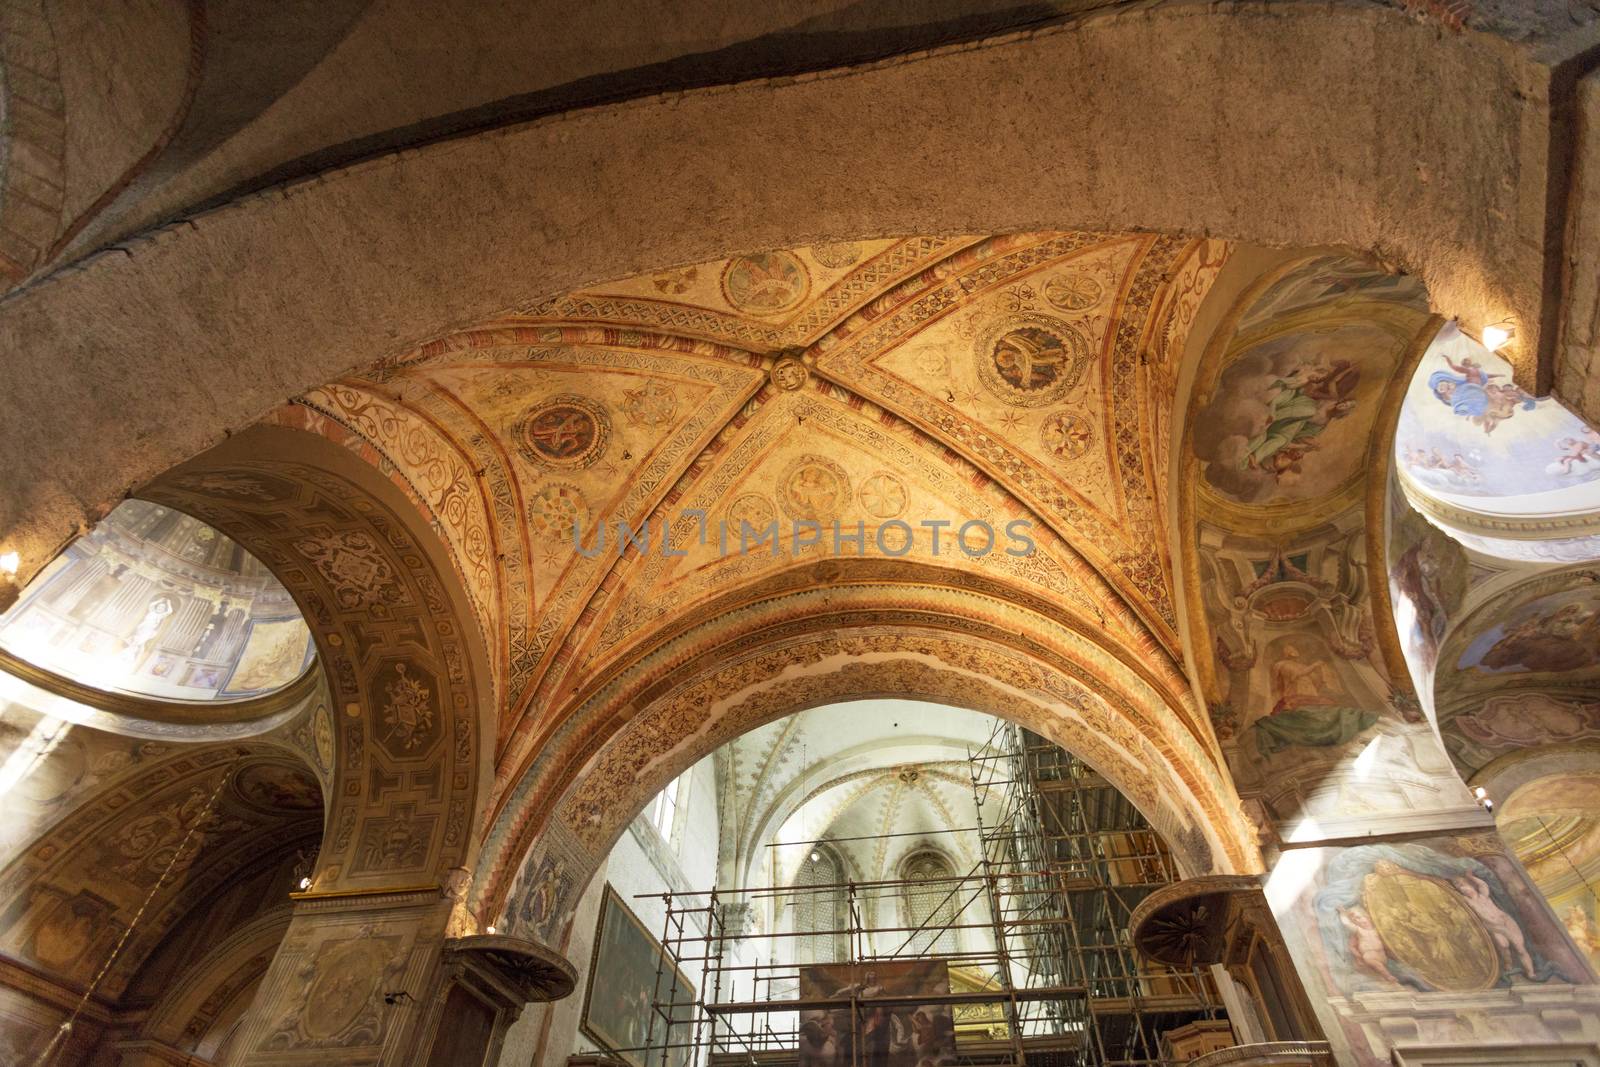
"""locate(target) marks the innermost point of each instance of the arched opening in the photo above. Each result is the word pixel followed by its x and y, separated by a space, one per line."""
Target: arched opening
pixel 883 848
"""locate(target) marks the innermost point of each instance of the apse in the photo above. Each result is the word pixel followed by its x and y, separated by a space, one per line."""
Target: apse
pixel 1504 472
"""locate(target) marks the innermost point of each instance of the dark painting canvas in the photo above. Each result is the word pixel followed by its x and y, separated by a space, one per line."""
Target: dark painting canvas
pixel 900 1035
pixel 633 989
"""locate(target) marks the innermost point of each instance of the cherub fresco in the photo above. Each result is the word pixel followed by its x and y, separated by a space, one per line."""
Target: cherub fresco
pixel 1471 392
pixel 1298 407
pixel 1578 454
pixel 1441 915
pixel 1432 459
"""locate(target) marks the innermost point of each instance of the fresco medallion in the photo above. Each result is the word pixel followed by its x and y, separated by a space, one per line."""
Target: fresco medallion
pixel 1073 292
pixel 789 374
pixel 815 488
pixel 554 510
pixel 767 283
pixel 884 496
pixel 652 405
pixel 1031 360
pixel 753 510
pixel 564 432
pixel 1429 929
pixel 322 736
pixel 1066 436
pixel 836 254
pixel 345 983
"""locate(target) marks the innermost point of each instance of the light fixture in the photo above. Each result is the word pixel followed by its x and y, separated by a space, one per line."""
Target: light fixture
pixel 305 883
pixel 816 857
pixel 491 930
pixel 1496 336
pixel 1483 799
pixel 9 591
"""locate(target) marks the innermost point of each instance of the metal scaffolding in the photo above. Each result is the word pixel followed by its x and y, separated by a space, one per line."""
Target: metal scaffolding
pixel 1034 934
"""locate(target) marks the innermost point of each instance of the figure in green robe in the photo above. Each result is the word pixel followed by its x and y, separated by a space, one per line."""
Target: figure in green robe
pixel 1306 710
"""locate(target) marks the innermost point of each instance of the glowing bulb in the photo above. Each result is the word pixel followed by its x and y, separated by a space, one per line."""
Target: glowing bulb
pixel 10 562
pixel 816 857
pixel 491 930
pixel 1495 337
pixel 305 883
pixel 1480 792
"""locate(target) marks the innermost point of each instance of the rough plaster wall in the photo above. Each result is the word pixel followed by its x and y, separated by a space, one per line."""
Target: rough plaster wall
pixel 1170 118
pixel 1577 381
pixel 123 68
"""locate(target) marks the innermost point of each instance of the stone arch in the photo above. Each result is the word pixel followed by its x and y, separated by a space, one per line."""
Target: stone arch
pixel 411 704
pixel 636 730
pixel 802 791
pixel 327 247
pixel 200 1014
pixel 149 846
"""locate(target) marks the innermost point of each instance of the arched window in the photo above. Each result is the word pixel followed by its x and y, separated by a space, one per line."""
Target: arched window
pixel 932 901
pixel 820 909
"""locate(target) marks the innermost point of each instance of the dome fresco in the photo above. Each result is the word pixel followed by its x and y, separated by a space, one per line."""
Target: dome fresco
pixel 1505 472
pixel 155 603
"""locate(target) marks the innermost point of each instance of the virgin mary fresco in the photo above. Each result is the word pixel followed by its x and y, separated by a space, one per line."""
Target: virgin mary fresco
pixel 1469 391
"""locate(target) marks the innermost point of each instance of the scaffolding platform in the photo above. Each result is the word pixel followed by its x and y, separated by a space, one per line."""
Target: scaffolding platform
pixel 1036 931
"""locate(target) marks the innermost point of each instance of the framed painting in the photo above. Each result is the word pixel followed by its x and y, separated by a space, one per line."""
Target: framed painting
pixel 638 1006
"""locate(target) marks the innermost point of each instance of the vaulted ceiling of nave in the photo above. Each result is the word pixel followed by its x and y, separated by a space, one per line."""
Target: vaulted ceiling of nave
pixel 878 779
pixel 1025 377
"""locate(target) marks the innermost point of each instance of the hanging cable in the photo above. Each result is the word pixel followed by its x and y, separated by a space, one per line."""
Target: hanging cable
pixel 47 1058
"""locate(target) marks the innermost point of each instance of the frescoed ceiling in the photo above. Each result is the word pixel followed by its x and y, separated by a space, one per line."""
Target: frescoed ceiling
pixel 156 603
pixel 1022 378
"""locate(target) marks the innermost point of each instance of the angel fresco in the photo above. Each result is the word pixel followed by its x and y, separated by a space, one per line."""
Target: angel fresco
pixel 1428 917
pixel 1470 391
pixel 1305 709
pixel 1565 639
pixel 1575 454
pixel 1299 406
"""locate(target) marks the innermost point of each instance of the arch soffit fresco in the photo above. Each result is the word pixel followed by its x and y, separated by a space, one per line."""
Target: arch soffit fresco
pixel 141 837
pixel 665 723
pixel 442 421
pixel 411 698
pixel 1303 568
pixel 344 231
